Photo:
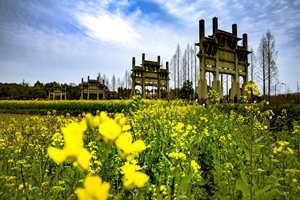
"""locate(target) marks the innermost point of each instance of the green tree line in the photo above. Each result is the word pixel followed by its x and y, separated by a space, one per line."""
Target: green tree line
pixel 39 90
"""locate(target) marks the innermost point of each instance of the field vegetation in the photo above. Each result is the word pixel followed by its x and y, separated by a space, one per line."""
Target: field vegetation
pixel 151 149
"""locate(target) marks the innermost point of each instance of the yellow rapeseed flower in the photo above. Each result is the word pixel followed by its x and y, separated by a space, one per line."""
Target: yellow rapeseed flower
pixel 92 121
pixel 94 189
pixel 283 143
pixel 21 186
pixel 229 136
pixel 179 127
pixel 295 180
pixel 229 166
pixel 277 150
pixel 162 188
pixel 222 138
pixel 74 147
pixel 189 127
pixel 110 129
pixel 206 132
pixel 290 150
pixel 177 155
pixel 195 166
pixel 103 116
pixel 124 142
pixel 132 177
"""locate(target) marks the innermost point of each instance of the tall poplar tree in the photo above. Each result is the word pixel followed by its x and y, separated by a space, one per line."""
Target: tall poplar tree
pixel 267 56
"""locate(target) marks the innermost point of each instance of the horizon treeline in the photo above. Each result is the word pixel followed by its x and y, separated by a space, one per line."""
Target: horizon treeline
pixel 118 88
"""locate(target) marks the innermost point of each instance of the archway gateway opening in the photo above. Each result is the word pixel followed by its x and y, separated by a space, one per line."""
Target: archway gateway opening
pixel 220 54
pixel 151 77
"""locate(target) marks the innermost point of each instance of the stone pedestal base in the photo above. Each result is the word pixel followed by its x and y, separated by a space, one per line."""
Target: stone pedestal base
pixel 235 90
pixel 202 92
pixel 217 87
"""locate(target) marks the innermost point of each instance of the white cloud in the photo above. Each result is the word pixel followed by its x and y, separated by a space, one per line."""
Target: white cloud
pixel 107 27
pixel 131 33
pixel 185 11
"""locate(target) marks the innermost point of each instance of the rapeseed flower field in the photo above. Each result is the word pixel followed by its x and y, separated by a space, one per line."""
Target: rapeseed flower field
pixel 154 150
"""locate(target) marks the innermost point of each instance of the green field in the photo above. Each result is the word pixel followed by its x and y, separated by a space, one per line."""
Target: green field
pixel 179 150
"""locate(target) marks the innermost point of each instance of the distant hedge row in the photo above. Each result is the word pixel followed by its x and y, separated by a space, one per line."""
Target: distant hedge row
pixel 292 112
pixel 80 106
pixel 66 106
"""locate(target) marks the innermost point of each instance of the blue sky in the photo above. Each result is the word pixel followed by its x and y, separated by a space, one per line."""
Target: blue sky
pixel 65 40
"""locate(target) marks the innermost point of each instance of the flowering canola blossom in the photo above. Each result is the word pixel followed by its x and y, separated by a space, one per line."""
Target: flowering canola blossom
pixel 132 177
pixel 94 189
pixel 251 87
pixel 92 121
pixel 110 129
pixel 195 166
pixel 74 147
pixel 124 142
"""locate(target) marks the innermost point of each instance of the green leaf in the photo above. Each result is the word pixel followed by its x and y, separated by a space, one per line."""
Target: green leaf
pixel 271 194
pixel 186 182
pixel 241 185
pixel 261 192
pixel 259 139
pixel 247 154
pixel 244 177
